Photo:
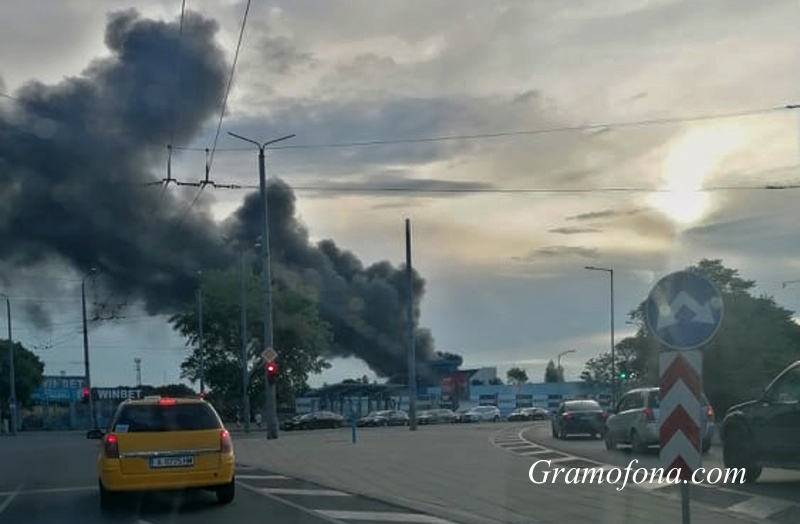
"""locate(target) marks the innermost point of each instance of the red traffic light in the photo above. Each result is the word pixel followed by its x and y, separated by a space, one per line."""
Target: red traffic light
pixel 272 368
pixel 86 394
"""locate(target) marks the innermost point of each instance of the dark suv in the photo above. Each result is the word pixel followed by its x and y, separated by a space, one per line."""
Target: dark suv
pixel 764 432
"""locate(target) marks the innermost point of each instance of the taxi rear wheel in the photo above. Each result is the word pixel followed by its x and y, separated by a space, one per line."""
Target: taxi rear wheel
pixel 108 499
pixel 226 493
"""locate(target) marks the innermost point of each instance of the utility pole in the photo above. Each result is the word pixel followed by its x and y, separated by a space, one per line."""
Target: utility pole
pixel 412 357
pixel 614 381
pixel 86 372
pixel 12 379
pixel 200 348
pixel 271 401
pixel 245 373
pixel 138 363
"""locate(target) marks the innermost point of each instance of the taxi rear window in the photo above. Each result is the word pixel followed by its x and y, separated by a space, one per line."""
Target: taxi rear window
pixel 148 418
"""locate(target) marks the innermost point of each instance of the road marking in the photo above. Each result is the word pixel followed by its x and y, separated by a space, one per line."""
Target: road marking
pixel 262 477
pixel 140 521
pixel 309 492
pixel 7 502
pixel 383 516
pixel 47 490
pixel 291 504
pixel 760 507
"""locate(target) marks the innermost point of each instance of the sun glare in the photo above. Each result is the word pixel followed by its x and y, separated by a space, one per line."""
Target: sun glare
pixel 689 162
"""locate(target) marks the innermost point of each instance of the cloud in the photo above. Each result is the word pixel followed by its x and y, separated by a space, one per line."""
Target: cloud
pixel 559 251
pixel 575 230
pixel 606 213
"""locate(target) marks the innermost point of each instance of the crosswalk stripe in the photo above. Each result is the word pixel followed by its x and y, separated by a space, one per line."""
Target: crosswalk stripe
pixel 383 516
pixel 307 492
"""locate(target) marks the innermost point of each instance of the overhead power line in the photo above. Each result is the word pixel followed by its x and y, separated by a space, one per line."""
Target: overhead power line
pixel 527 132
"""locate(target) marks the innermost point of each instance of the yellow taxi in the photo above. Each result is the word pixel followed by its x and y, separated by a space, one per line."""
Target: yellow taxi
pixel 159 444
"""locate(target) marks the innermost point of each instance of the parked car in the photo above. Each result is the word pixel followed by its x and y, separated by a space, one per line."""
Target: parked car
pixel 635 418
pixel 579 417
pixel 321 419
pixel 529 414
pixel 763 432
pixel 459 415
pixel 436 416
pixel 384 418
pixel 294 423
pixel 483 414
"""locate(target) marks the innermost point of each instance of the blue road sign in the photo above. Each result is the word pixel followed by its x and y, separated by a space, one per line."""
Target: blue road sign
pixel 684 310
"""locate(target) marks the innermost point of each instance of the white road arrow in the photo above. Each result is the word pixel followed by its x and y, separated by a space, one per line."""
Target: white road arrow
pixel 666 312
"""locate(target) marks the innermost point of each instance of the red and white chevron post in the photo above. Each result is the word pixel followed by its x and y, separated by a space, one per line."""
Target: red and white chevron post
pixel 680 426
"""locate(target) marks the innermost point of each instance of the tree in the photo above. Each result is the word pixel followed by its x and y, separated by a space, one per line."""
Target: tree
pixel 300 339
pixel 517 376
pixel 495 382
pixel 551 373
pixel 170 390
pixel 28 373
pixel 757 340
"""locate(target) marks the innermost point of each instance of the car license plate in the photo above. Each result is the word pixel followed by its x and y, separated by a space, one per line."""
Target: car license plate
pixel 171 462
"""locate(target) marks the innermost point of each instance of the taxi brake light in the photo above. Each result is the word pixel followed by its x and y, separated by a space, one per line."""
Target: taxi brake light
pixel 710 413
pixel 111 446
pixel 167 401
pixel 225 444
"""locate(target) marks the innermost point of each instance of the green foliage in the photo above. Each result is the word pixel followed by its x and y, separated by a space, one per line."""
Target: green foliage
pixel 496 382
pixel 551 373
pixel 300 338
pixel 757 339
pixel 29 370
pixel 170 390
pixel 517 376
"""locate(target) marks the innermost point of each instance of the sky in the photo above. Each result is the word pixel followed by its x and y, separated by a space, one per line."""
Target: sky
pixel 678 105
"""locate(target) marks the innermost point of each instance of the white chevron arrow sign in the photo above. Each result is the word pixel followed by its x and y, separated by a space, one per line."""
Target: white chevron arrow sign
pixel 680 425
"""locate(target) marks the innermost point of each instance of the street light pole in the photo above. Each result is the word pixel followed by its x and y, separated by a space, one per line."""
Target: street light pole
pixel 12 380
pixel 266 275
pixel 613 357
pixel 87 374
pixel 245 373
pixel 200 348
pixel 567 352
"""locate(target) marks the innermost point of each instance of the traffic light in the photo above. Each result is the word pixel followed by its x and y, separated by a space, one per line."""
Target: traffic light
pixel 85 394
pixel 272 372
pixel 623 370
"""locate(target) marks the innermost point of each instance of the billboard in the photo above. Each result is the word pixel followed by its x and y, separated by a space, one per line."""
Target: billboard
pixel 59 389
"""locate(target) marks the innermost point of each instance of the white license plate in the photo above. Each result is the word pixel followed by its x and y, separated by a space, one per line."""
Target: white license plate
pixel 171 462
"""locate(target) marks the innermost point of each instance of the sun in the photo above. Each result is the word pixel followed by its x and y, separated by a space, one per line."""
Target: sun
pixel 689 162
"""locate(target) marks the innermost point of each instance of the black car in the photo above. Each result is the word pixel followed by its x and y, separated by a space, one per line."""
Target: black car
pixel 292 423
pixel 579 417
pixel 529 414
pixel 764 432
pixel 321 419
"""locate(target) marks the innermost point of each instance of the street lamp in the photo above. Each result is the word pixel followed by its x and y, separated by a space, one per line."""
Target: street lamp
pixel 613 358
pixel 12 380
pixel 200 348
pixel 567 352
pixel 86 373
pixel 266 275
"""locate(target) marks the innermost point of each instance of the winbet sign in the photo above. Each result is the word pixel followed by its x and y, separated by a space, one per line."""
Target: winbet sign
pixel 116 394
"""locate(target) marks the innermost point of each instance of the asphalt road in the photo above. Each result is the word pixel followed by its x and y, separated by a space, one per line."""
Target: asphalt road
pixel 50 478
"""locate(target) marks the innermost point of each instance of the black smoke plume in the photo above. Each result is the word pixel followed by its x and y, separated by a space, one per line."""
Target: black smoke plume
pixel 74 161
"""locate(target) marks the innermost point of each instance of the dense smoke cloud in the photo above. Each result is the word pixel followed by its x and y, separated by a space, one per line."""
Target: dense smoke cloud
pixel 366 306
pixel 74 161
